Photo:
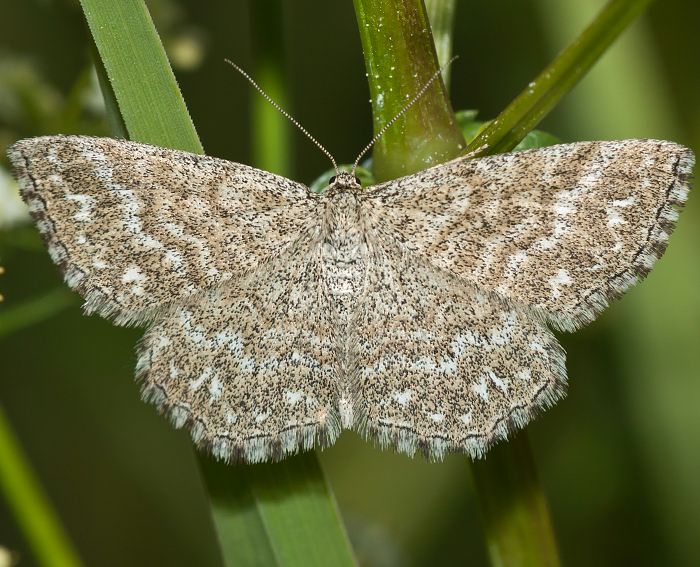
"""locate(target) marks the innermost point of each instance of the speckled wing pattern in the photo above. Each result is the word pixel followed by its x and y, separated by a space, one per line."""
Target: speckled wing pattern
pixel 562 229
pixel 135 227
pixel 251 366
pixel 414 312
pixel 444 366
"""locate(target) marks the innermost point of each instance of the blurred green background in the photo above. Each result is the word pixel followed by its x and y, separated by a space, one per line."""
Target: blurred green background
pixel 619 458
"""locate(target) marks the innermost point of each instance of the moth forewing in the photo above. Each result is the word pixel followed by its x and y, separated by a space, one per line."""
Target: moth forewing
pixel 414 311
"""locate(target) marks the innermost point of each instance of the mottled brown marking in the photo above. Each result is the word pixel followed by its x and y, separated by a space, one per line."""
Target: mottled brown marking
pixel 414 311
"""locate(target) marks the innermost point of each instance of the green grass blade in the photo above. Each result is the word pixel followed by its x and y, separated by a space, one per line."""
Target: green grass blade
pixel 35 515
pixel 241 530
pixel 277 514
pixel 34 310
pixel 139 73
pixel 287 498
pixel 114 117
pixel 254 512
pixel 557 79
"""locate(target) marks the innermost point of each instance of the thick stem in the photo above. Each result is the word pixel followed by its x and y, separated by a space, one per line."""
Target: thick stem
pixel 517 524
pixel 516 521
pixel 400 58
pixel 441 14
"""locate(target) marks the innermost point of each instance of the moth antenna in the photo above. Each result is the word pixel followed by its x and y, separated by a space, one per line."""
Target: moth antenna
pixel 284 113
pixel 386 126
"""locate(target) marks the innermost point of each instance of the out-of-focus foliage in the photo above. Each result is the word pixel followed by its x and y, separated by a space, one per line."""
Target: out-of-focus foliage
pixel 12 210
pixel 619 457
pixel 471 127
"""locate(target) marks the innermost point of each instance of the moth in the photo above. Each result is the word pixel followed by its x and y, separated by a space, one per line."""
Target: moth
pixel 416 312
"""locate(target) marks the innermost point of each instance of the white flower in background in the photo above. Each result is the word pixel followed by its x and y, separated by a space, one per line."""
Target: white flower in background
pixel 7 558
pixel 12 210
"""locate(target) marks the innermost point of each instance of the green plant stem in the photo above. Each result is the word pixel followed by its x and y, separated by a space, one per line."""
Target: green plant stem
pixel 557 79
pixel 254 508
pixel 35 515
pixel 508 535
pixel 516 519
pixel 441 14
pixel 270 130
pixel 400 58
pixel 517 525
pixel 277 514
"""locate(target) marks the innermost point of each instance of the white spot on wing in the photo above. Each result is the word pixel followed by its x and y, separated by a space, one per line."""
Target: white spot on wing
pixel 628 202
pixel 561 278
pixel 402 398
pixel 524 374
pixel 86 202
pixel 614 217
pixel 132 274
pixel 293 397
pixel 481 389
pixel 498 382
pixel 203 377
pixel 215 388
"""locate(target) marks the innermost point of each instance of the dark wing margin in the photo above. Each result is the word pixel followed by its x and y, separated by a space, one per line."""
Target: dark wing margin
pixel 135 227
pixel 444 367
pixel 250 368
pixel 563 229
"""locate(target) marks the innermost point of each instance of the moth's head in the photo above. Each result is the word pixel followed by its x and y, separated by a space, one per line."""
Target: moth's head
pixel 344 181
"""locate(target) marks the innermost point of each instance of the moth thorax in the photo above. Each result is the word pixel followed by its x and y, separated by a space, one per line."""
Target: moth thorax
pixel 343 210
pixel 344 247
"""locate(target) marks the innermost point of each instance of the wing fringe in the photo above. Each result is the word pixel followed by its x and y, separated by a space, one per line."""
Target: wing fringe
pixel 96 300
pixel 250 450
pixel 435 449
pixel 599 298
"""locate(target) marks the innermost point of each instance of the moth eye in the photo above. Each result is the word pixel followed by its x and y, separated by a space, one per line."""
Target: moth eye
pixel 357 179
pixel 332 180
